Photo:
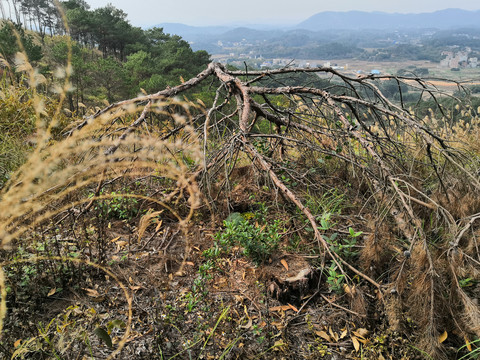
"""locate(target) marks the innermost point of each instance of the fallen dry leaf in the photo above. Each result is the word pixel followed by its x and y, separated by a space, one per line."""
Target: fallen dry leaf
pixel 238 298
pixel 356 344
pixel 361 332
pixel 249 324
pixel 278 325
pixel 467 344
pixel 52 291
pixel 121 244
pixel 280 308
pixel 92 292
pixel 443 337
pixel 302 275
pixel 323 335
pixel 159 225
pixel 279 346
pixel 293 307
pixel 284 263
pixel 363 341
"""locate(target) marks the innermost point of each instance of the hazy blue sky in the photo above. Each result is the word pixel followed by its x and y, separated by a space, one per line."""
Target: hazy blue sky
pixel 215 12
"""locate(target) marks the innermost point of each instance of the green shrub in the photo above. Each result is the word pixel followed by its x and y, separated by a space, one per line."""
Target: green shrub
pixel 118 206
pixel 258 241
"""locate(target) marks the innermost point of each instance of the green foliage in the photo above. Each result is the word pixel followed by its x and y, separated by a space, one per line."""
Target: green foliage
pixel 329 202
pixel 467 282
pixel 258 240
pixel 335 279
pixel 103 335
pixel 340 245
pixel 404 52
pixel 311 50
pixel 475 89
pixel 118 206
pixel 110 58
pixel 297 79
pixel 9 43
pixel 258 243
pixel 74 325
pixel 18 122
pixel 343 247
pixel 110 78
pixel 199 290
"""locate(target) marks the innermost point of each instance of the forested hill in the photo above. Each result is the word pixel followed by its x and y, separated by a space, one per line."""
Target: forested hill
pixel 111 59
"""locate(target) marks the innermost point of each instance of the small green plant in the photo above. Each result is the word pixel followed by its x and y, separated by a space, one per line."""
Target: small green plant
pixel 344 247
pixel 69 330
pixel 262 145
pixel 464 283
pixel 335 279
pixel 325 221
pixel 329 202
pixel 319 347
pixel 257 331
pixel 258 240
pixel 118 206
pixel 199 291
pixel 191 300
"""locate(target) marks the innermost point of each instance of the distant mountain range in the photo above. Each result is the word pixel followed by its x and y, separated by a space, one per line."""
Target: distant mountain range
pixel 348 20
pixel 352 29
pixel 353 20
pixel 187 31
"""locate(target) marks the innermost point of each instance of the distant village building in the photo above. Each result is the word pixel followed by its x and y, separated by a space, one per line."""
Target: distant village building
pixel 458 59
pixel 280 62
pixel 266 64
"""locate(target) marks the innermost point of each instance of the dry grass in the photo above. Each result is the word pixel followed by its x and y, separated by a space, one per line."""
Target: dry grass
pixel 62 178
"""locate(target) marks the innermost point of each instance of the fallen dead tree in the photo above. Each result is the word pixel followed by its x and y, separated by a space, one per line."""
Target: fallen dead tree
pixel 416 176
pixel 409 166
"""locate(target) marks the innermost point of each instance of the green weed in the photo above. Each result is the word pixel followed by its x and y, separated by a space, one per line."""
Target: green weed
pixel 466 282
pixel 258 241
pixel 118 206
pixel 335 279
pixel 472 354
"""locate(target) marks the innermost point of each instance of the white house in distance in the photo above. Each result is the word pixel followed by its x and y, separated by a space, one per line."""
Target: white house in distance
pixel 459 59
